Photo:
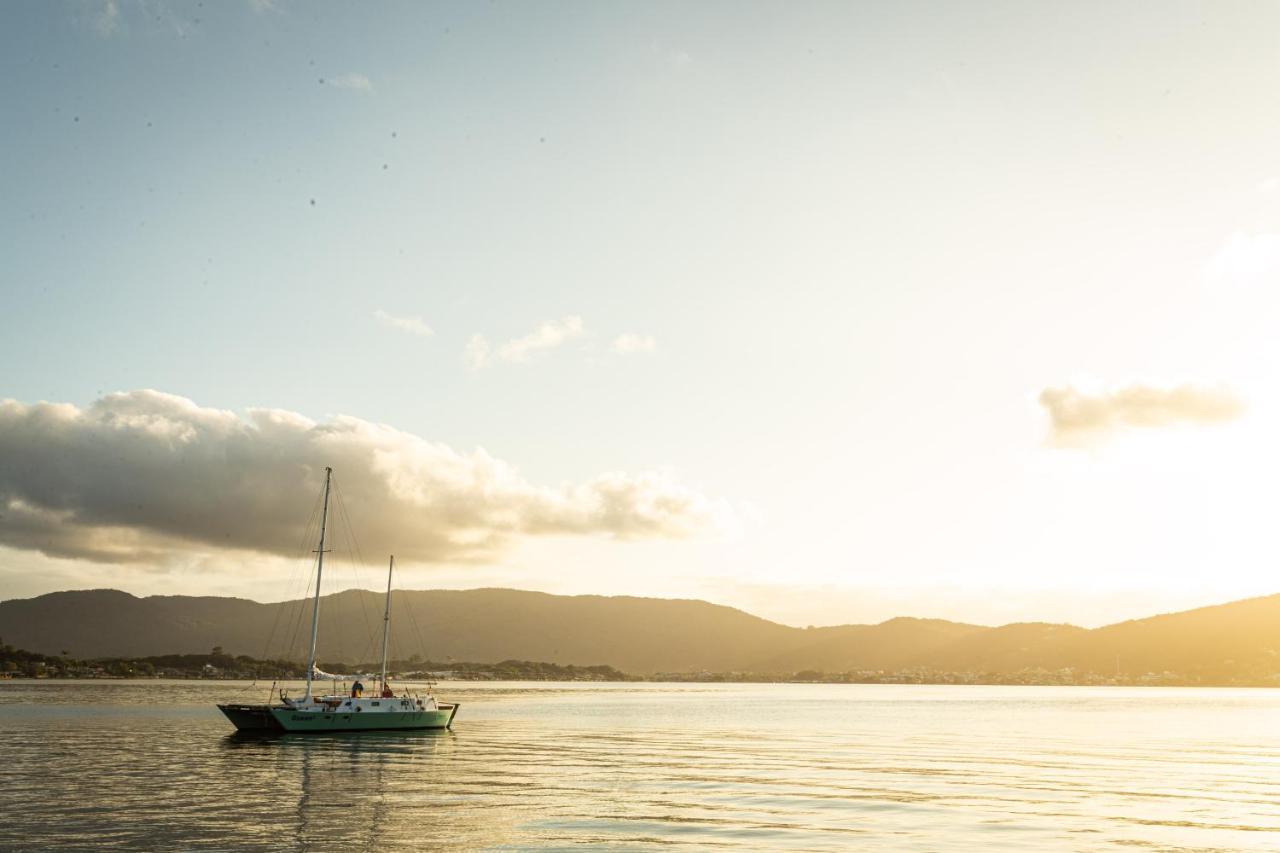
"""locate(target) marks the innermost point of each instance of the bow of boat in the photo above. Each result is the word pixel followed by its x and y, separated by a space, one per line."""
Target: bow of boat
pixel 250 718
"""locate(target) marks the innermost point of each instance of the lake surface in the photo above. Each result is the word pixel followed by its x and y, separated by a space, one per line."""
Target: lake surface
pixel 153 765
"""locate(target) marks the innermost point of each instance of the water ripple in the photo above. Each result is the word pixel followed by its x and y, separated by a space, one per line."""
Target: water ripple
pixel 152 765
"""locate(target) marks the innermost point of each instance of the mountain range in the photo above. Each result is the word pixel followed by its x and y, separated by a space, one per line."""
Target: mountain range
pixel 1239 641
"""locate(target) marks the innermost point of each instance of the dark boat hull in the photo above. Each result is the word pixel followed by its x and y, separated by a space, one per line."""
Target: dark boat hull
pixel 251 718
pixel 261 719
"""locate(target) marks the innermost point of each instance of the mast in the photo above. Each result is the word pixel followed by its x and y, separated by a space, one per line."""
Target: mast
pixel 315 608
pixel 386 625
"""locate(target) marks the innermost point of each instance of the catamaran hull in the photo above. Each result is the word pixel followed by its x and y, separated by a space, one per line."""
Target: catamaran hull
pixel 251 718
pixel 301 722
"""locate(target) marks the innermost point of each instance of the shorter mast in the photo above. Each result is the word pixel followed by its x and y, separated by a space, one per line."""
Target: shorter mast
pixel 386 625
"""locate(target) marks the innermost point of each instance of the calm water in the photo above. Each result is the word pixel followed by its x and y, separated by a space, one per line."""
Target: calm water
pixel 153 765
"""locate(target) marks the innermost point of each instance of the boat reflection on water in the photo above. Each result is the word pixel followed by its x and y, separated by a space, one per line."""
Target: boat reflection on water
pixel 360 789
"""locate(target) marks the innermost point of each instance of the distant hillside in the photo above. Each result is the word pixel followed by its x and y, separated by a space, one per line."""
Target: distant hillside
pixel 482 625
pixel 895 644
pixel 1236 641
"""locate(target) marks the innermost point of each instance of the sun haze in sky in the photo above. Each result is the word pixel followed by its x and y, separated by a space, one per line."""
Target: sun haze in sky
pixel 828 311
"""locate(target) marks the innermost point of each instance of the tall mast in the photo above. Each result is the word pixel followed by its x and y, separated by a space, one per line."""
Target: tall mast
pixel 386 624
pixel 315 608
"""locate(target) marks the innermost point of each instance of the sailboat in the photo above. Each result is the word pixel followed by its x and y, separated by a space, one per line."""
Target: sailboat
pixel 343 713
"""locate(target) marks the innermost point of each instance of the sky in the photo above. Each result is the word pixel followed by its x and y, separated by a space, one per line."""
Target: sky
pixel 832 312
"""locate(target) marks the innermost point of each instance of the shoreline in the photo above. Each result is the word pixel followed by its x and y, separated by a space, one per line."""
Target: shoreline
pixel 976 682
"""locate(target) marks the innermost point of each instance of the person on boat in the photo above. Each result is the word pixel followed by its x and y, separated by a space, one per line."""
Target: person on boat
pixel 357 690
pixel 387 692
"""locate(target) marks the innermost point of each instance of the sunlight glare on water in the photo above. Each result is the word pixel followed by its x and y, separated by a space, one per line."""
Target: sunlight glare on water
pixel 153 765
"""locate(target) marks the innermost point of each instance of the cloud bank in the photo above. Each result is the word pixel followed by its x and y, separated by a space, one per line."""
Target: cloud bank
pixel 139 476
pixel 1075 416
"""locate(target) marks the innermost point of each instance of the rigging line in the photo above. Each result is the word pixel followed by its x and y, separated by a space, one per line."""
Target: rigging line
pixel 301 580
pixel 413 620
pixel 299 604
pixel 300 610
pixel 341 549
pixel 421 643
pixel 293 579
pixel 357 561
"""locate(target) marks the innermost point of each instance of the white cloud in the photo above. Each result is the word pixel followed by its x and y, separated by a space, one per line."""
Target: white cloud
pixel 546 336
pixel 476 353
pixel 629 343
pixel 352 81
pixel 141 476
pixel 1246 258
pixel 1076 416
pixel 1268 186
pixel 672 58
pixel 107 21
pixel 119 18
pixel 479 353
pixel 412 324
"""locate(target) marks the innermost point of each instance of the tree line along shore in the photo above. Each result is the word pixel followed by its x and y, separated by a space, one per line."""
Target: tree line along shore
pixel 20 663
pixel 217 664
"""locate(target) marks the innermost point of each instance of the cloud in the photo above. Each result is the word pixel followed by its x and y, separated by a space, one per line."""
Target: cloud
pixel 546 336
pixel 1075 416
pixel 352 81
pixel 479 353
pixel 1246 258
pixel 107 21
pixel 630 343
pixel 140 476
pixel 476 353
pixel 412 324
pixel 110 19
pixel 671 58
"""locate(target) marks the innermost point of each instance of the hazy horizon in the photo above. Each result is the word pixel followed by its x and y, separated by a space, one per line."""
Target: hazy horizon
pixel 829 312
